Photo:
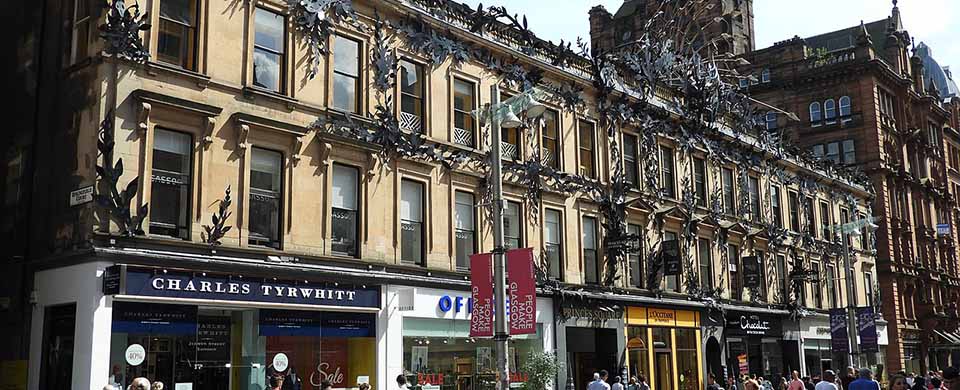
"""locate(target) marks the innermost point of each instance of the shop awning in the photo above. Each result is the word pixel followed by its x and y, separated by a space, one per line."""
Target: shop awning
pixel 947 339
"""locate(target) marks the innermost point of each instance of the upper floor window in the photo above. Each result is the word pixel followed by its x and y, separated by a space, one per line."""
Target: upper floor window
pixel 817 287
pixel 729 200
pixel 831 274
pixel 587 149
pixel 465 225
pixel 346 74
pixel 345 210
pixel 268 50
pixel 815 114
pixel 825 229
pixel 512 226
pixel 784 277
pixel 744 82
pixel 633 259
pixel 830 111
pixel 887 107
pixel 845 108
pixel 631 169
pixel 845 219
pixel 776 206
pixel 667 172
pixel 591 265
pixel 808 214
pixel 79 20
pixel 705 260
pixel 793 202
pixel 700 181
pixel 464 101
pixel 838 151
pixel 868 287
pixel 671 282
pixel 771 120
pixel 733 257
pixel 933 135
pixel 765 75
pixel 412 92
pixel 177 36
pixel 411 222
pixel 266 187
pixel 552 228
pixel 550 144
pixel 753 184
pixel 170 191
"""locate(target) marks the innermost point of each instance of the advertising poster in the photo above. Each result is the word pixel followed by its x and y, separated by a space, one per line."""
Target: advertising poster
pixel 481 287
pixel 523 292
pixel 838 331
pixel 484 359
pixel 743 363
pixel 867 329
pixel 751 272
pixel 671 258
pixel 419 356
pixel 154 318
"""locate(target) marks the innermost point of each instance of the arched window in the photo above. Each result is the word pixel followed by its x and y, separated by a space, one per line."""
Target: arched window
pixel 771 120
pixel 765 76
pixel 815 114
pixel 830 110
pixel 845 108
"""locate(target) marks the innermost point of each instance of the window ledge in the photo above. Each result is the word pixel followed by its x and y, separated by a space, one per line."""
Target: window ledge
pixel 200 79
pixel 253 93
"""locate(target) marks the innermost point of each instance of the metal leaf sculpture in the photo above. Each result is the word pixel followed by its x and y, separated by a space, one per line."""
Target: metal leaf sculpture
pixel 315 20
pixel 122 31
pixel 212 234
pixel 117 202
pixel 383 58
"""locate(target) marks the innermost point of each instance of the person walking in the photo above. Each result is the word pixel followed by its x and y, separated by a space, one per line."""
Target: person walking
pixel 848 377
pixel 599 381
pixel 829 381
pixel 275 382
pixel 616 384
pixel 865 381
pixel 899 382
pixel 642 382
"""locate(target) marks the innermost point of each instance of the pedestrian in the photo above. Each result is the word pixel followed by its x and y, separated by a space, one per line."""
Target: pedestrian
pixel 616 384
pixel 712 382
pixel 156 386
pixel 732 383
pixel 919 383
pixel 936 383
pixel 275 382
pixel 951 378
pixel 599 381
pixel 865 381
pixel 632 385
pixel 642 382
pixel 401 382
pixel 795 382
pixel 766 384
pixel 808 383
pixel 828 382
pixel 848 377
pixel 139 383
pixel 898 382
pixel 751 383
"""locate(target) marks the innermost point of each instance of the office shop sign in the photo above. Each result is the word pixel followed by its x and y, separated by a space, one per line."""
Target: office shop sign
pixel 748 324
pixel 206 286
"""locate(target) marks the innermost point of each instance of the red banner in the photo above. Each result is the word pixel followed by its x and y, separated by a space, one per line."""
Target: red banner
pixel 523 291
pixel 481 287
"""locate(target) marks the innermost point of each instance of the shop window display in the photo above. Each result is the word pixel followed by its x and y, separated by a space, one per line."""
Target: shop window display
pixel 441 355
pixel 202 348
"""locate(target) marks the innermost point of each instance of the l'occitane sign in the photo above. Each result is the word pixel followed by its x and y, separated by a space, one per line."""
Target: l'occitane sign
pixel 655 316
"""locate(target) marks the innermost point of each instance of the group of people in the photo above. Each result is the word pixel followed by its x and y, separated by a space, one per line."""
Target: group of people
pixel 638 382
pixel 851 379
pixel 948 379
pixel 274 382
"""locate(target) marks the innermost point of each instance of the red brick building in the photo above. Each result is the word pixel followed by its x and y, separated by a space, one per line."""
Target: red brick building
pixel 865 100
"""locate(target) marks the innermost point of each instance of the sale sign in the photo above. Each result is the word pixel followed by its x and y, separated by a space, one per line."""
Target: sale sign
pixel 523 291
pixel 481 289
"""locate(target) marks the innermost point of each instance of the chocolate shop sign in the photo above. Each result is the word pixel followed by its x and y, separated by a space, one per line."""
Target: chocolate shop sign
pixel 175 284
pixel 746 324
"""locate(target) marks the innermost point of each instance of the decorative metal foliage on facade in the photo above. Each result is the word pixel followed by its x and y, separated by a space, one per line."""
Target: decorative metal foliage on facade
pixel 121 32
pixel 315 20
pixel 110 196
pixel 212 234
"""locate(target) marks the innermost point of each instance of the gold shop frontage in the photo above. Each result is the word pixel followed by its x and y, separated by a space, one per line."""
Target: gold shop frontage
pixel 663 345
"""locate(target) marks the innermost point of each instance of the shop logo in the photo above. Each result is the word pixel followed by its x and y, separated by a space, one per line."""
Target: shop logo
pixel 754 325
pixel 456 303
pixel 135 354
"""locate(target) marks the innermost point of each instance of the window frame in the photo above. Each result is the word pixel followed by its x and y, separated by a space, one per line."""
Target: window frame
pixel 756 205
pixel 557 152
pixel 793 206
pixel 357 212
pixel 728 190
pixel 771 121
pixel 187 210
pixel 826 227
pixel 592 151
pixel 765 75
pixel 473 228
pixel 280 200
pixel 701 181
pixel 633 161
pixel 830 106
pixel 845 110
pixel 639 282
pixel 776 204
pixel 282 87
pixel 196 39
pixel 520 223
pixel 358 79
pixel 423 81
pixel 77 54
pixel 596 249
pixel 423 221
pixel 734 272
pixel 668 172
pixel 678 277
pixel 706 280
pixel 455 111
pixel 559 244
pixel 816 115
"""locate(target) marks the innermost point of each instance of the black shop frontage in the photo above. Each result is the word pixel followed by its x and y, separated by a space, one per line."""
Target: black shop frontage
pixel 756 344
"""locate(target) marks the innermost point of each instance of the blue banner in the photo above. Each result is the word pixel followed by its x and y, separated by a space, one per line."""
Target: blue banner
pixel 316 323
pixel 839 339
pixel 867 328
pixel 154 318
pixel 148 282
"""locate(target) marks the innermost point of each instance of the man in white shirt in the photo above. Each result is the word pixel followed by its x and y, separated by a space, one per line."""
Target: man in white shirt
pixel 599 381
pixel 828 382
pixel 616 384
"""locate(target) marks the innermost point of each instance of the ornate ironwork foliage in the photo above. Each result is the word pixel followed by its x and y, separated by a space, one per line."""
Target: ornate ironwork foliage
pixel 122 31
pixel 117 201
pixel 212 234
pixel 315 20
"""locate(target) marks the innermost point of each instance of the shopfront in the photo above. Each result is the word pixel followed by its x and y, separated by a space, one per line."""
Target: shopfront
pixel 664 345
pixel 818 353
pixel 589 339
pixel 201 330
pixel 755 344
pixel 428 340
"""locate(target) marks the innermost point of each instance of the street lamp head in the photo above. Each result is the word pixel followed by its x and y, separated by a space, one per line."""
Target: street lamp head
pixel 533 107
pixel 510 120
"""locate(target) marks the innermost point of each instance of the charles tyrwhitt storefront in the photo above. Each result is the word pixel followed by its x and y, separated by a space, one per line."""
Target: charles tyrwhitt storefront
pixel 193 329
pixel 428 340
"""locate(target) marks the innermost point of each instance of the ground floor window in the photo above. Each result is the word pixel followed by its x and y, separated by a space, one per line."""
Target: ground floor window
pixel 912 358
pixel 203 348
pixel 756 355
pixel 439 354
pixel 819 357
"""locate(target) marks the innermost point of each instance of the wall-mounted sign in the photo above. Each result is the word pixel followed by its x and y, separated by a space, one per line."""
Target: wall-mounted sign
pixel 867 329
pixel 135 354
pixel 280 361
pixel 943 229
pixel 523 292
pixel 456 304
pixel 481 287
pixel 154 318
pixel 749 324
pixel 839 340
pixel 671 257
pixel 111 280
pixel 751 271
pixel 81 195
pixel 175 284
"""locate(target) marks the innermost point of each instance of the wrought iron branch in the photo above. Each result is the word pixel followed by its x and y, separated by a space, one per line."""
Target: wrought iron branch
pixel 214 233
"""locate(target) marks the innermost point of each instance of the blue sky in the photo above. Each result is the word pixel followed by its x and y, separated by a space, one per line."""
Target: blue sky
pixel 936 22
